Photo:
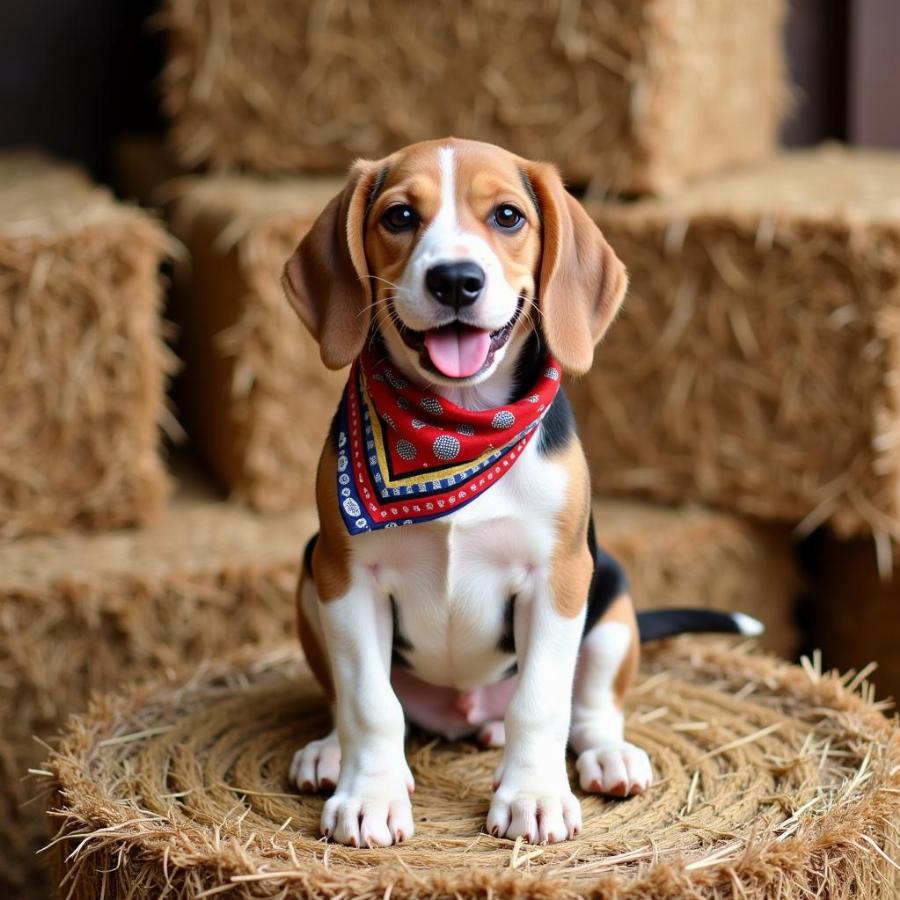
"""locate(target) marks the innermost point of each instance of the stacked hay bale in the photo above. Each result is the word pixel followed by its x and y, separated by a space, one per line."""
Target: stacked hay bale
pixel 638 95
pixel 256 399
pixel 754 364
pixel 83 360
pixel 83 367
pixel 81 613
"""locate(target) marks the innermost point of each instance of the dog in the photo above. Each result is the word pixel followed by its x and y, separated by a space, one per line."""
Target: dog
pixel 455 581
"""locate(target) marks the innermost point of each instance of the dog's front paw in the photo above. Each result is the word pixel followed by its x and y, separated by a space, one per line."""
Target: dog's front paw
pixel 530 805
pixel 370 808
pixel 616 768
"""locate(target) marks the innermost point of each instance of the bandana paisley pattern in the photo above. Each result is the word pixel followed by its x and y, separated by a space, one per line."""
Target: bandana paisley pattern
pixel 407 455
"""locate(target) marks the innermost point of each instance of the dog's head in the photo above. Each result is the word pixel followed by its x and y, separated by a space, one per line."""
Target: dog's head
pixel 454 250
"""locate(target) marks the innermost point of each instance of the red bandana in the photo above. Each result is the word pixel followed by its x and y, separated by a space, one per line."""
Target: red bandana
pixel 407 455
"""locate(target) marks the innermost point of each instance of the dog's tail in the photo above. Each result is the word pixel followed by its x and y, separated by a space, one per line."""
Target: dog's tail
pixel 654 624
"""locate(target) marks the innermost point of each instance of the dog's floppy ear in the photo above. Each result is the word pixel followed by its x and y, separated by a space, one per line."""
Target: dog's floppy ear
pixel 582 281
pixel 326 278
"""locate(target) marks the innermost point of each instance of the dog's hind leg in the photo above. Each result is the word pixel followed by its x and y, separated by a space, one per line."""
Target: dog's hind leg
pixel 607 663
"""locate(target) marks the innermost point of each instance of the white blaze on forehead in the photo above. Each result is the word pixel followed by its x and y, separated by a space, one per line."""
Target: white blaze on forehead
pixel 440 235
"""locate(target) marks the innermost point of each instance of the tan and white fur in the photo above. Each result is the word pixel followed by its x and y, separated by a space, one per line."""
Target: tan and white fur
pixel 449 585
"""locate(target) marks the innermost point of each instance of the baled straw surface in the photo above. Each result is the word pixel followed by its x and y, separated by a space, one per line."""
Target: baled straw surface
pixel 773 781
pixel 87 612
pixel 255 397
pixel 754 365
pixel 857 614
pixel 82 361
pixel 638 94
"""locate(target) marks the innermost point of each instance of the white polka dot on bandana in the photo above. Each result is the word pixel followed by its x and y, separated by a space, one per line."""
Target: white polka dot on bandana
pixel 417 424
pixel 503 418
pixel 446 447
pixel 406 449
pixel 552 373
pixel 390 421
pixel 395 381
pixel 533 398
pixel 465 429
pixel 351 507
pixel 429 404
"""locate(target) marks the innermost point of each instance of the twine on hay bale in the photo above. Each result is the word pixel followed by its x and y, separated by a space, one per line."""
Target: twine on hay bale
pixel 767 304
pixel 639 95
pixel 256 398
pixel 83 360
pixel 774 781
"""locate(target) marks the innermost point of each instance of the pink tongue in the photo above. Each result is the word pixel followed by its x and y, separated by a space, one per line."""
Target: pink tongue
pixel 458 351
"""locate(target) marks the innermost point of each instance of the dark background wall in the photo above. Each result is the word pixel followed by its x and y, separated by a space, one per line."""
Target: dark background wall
pixel 75 73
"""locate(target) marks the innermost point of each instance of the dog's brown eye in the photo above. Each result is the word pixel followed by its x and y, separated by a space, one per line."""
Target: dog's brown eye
pixel 400 217
pixel 507 217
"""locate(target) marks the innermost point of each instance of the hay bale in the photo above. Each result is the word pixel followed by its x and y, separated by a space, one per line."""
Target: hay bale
pixel 773 781
pixel 256 399
pixel 83 361
pixel 691 556
pixel 638 95
pixel 856 615
pixel 87 612
pixel 754 365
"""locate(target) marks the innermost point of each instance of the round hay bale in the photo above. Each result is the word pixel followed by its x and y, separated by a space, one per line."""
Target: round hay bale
pixel 773 780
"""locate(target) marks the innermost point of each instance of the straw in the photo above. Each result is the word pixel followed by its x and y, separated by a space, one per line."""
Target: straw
pixel 638 96
pixel 256 399
pixel 792 793
pixel 83 360
pixel 754 364
pixel 87 612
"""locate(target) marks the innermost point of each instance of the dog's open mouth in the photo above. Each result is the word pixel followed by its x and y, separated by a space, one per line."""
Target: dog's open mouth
pixel 458 350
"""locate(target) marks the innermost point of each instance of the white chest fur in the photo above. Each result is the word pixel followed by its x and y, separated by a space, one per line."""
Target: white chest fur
pixel 451 580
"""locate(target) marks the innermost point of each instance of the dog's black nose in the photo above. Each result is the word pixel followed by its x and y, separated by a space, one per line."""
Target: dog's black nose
pixel 455 284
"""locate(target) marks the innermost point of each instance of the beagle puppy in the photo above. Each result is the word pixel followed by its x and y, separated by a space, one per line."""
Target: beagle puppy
pixel 455 581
